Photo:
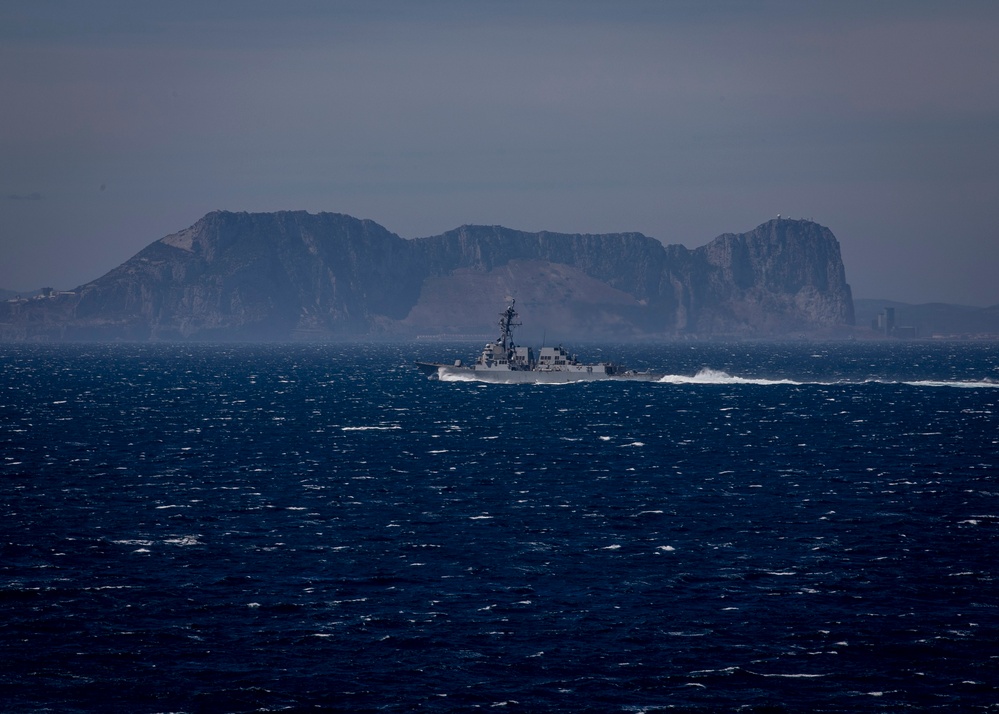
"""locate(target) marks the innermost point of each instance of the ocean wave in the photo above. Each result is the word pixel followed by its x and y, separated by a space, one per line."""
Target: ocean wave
pixel 502 531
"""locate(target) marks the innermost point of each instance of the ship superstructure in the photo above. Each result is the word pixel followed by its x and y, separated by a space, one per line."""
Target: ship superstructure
pixel 503 361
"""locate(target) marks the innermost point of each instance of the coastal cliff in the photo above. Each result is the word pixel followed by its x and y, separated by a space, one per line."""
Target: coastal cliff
pixel 295 275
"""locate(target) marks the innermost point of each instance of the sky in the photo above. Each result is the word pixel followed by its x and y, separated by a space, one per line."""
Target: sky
pixel 123 122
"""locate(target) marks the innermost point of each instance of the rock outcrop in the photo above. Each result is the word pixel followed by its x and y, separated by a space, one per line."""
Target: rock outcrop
pixel 295 275
pixel 785 275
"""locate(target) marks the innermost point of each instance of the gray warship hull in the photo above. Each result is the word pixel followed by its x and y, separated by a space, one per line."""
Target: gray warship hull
pixel 451 373
pixel 504 362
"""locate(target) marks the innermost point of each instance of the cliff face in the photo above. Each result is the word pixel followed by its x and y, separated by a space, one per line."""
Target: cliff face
pixel 257 276
pixel 784 275
pixel 294 275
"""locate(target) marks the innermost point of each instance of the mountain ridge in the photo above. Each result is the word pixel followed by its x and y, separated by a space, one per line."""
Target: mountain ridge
pixel 297 275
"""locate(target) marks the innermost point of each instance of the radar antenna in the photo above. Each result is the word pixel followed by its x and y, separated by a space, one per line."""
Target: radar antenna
pixel 507 324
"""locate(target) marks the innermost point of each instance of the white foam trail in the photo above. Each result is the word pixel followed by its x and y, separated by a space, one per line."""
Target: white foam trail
pixel 452 377
pixel 716 376
pixel 958 384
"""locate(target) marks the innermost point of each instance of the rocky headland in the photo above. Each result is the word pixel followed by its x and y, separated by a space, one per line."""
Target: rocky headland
pixel 295 275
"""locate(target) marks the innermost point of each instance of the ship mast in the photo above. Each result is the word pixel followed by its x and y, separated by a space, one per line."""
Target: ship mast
pixel 507 324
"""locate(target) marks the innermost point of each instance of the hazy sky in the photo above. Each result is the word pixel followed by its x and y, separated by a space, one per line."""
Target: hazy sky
pixel 122 122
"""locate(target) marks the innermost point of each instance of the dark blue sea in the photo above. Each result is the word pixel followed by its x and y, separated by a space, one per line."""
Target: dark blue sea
pixel 774 528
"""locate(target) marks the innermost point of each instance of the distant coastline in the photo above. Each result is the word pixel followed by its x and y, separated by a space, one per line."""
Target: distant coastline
pixel 932 320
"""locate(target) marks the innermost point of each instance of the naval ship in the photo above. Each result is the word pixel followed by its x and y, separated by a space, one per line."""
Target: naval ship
pixel 503 361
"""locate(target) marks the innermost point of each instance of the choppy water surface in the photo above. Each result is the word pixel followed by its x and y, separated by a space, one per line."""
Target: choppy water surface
pixel 773 528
